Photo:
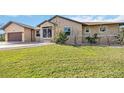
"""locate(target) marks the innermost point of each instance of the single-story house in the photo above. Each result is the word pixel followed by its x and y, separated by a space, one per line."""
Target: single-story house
pixel 48 30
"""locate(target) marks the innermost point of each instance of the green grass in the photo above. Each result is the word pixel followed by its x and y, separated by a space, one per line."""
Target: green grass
pixel 62 61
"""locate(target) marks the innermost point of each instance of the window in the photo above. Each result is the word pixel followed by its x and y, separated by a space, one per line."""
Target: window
pixel 121 26
pixel 47 32
pixel 38 33
pixel 67 30
pixel 102 28
pixel 87 29
pixel 44 33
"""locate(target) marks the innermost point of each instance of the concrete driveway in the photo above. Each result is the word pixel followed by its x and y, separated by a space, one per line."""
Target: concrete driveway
pixel 16 45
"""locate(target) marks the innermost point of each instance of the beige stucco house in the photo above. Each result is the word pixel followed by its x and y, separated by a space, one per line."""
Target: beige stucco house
pixel 48 30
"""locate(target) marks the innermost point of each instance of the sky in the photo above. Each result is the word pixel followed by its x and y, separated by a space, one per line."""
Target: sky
pixel 34 20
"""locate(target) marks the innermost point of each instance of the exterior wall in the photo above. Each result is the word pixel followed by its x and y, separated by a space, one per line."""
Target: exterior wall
pixel 37 39
pixel 33 35
pixel 41 39
pixel 111 31
pixel 76 29
pixel 14 28
pixel 27 35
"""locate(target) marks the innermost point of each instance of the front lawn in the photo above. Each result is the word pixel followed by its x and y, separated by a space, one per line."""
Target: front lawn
pixel 62 61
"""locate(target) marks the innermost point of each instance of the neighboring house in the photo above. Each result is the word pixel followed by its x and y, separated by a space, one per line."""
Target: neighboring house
pixel 77 32
pixel 18 32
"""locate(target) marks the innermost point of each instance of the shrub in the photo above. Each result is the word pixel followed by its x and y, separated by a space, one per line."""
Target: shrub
pixel 2 37
pixel 62 38
pixel 120 38
pixel 92 40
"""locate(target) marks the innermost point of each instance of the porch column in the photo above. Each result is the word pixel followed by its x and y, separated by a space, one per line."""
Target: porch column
pixel 53 29
pixel 23 37
pixel 6 37
pixel 41 35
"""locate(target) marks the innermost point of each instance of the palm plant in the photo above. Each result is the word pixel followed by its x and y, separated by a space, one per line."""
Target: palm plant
pixel 62 38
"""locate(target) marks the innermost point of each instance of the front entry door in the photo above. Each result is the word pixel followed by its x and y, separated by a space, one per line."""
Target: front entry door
pixel 47 34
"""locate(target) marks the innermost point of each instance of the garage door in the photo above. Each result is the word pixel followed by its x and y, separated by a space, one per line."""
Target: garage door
pixel 16 36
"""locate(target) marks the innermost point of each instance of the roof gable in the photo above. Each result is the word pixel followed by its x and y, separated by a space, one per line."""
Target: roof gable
pixel 65 19
pixel 20 24
pixel 62 18
pixel 45 22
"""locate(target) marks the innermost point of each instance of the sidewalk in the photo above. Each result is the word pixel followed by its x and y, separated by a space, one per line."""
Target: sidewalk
pixel 4 45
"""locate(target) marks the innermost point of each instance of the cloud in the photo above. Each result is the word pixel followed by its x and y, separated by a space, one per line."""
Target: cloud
pixel 18 15
pixel 98 18
pixel 82 18
pixel 12 15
